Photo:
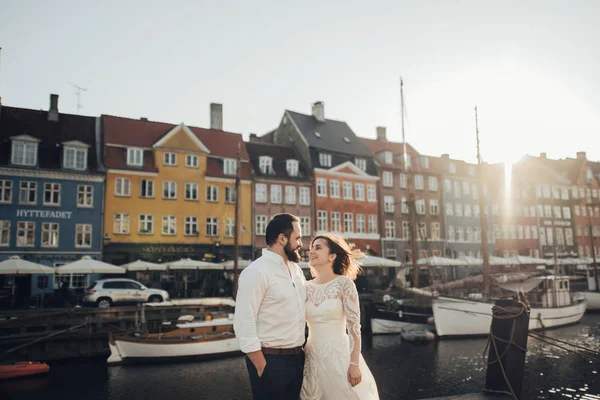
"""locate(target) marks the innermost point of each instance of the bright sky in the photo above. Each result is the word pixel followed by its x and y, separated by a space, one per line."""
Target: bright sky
pixel 532 69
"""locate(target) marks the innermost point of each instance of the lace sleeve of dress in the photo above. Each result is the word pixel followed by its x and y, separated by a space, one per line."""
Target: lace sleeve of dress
pixel 351 311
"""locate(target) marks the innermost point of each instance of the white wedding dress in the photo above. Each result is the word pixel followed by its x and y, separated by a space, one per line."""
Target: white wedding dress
pixel 330 309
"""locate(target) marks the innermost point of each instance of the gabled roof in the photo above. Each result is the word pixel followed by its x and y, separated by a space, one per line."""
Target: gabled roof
pixel 51 135
pixel 377 146
pixel 279 154
pixel 181 128
pixel 334 136
pixel 441 165
pixel 355 171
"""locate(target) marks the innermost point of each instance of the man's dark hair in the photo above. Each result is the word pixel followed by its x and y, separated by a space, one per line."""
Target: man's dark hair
pixel 280 223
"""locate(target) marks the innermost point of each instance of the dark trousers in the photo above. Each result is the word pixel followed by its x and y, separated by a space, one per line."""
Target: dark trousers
pixel 281 379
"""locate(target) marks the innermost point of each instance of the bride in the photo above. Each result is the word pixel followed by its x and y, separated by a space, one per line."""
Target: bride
pixel 334 367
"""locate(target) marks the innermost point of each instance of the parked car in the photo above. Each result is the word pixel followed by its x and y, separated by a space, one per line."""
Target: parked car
pixel 106 292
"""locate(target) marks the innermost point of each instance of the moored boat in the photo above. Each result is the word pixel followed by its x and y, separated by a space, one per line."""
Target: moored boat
pixel 211 338
pixel 401 315
pixel 22 369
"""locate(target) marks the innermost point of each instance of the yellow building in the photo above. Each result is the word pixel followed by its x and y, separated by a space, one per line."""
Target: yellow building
pixel 170 192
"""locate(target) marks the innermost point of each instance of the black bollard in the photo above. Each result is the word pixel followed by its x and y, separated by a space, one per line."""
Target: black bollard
pixel 365 314
pixel 507 348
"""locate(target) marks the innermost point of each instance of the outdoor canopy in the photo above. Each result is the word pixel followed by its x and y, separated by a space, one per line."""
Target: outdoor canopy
pixel 87 265
pixel 140 265
pixel 17 266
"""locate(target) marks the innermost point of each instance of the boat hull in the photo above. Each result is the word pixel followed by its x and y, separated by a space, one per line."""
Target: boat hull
pixel 593 300
pixel 460 317
pixel 385 326
pixel 22 370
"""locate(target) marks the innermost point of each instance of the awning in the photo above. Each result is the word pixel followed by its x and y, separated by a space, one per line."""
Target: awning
pixel 87 265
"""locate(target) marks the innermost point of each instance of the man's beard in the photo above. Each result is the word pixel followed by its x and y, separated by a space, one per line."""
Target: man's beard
pixel 292 255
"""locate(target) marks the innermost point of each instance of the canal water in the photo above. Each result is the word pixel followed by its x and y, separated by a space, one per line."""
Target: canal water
pixel 402 371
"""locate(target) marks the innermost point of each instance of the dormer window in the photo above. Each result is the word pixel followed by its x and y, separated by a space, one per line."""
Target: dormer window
pixel 75 155
pixel 135 157
pixel 388 158
pixel 229 166
pixel 361 163
pixel 408 160
pixel 24 151
pixel 325 159
pixel 266 165
pixel 291 167
pixel 452 168
pixel 589 175
pixel 424 162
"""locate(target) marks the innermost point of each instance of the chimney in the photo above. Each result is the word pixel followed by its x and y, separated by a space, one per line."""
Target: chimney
pixel 446 157
pixel 53 111
pixel 581 155
pixel 143 119
pixel 253 137
pixel 318 111
pixel 381 134
pixel 543 156
pixel 216 116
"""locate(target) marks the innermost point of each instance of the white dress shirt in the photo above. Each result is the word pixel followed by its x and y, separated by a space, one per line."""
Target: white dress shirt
pixel 270 308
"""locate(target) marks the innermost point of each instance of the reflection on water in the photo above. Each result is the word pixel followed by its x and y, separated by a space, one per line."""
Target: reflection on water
pixel 402 371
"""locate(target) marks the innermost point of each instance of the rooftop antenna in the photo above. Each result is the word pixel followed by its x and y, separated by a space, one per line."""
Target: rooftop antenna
pixel 78 93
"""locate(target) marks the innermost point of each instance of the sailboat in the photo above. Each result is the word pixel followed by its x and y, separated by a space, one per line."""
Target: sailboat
pixel 549 297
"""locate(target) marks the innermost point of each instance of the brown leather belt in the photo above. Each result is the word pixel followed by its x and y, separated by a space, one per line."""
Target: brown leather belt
pixel 282 352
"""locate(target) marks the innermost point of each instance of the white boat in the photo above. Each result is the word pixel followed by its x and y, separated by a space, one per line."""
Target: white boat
pixel 552 306
pixel 204 339
pixel 401 315
pixel 592 296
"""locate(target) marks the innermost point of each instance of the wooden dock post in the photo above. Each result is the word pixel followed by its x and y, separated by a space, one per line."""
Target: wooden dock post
pixel 507 348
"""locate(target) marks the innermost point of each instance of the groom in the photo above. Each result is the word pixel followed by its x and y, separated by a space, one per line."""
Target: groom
pixel 270 313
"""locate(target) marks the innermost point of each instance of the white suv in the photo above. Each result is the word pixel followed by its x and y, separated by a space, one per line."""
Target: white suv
pixel 106 292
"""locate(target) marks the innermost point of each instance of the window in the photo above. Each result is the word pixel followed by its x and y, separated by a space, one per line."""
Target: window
pixel 4 233
pixel 5 191
pixel 432 183
pixel 532 211
pixel 388 179
pixel 555 192
pixel 321 187
pixel 122 187
pixel 520 233
pixel 546 191
pixel 527 231
pixel 83 236
pixel 191 191
pixel 169 225
pixel 305 225
pixel 390 229
pixel 146 224
pixel 388 204
pixel 457 189
pixel 77 158
pixel 566 213
pixel 85 196
pixel 169 190
pixel 371 193
pixel 135 157
pixel 547 211
pixel 387 157
pixel 450 234
pixel 291 167
pixel 458 210
pixel 372 223
pixel 405 230
pixel 325 159
pixel 557 213
pixel 476 211
pixel 290 195
pixel 334 189
pixel 360 223
pixel 452 168
pixel 336 221
pixel 170 159
pixel 467 210
pixel 579 231
pixel 513 231
pixel 569 236
pixel 212 193
pixel 230 194
pixel 261 193
pixel 304 196
pixel 408 160
pixel 525 211
pixel 434 207
pixel 28 193
pixel 435 231
pixel 121 225
pixel 191 161
pixel 276 194
pixel 447 186
pixel 229 227
pixel 419 182
pixel 449 208
pixel 361 163
pixel 424 161
pixel 465 188
pixel 360 191
pixel 459 233
pixel 261 225
pixel 24 153
pixel 549 236
pixel 229 166
pixel 147 188
pixel 564 193
pixel 404 205
pixel 265 164
pixel 322 221
pixel 534 232
pixel 51 194
pixel 348 222
pixel 560 237
pixel 420 205
pixel 50 234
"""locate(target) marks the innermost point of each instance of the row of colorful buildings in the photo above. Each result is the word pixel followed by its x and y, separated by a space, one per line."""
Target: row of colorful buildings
pixel 123 189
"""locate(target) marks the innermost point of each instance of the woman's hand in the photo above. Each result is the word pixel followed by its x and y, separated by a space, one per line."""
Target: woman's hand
pixel 354 375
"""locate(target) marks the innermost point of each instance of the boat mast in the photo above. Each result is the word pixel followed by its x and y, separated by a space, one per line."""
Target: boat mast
pixel 482 216
pixel 236 250
pixel 411 202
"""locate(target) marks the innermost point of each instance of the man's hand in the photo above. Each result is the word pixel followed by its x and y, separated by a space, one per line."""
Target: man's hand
pixel 258 359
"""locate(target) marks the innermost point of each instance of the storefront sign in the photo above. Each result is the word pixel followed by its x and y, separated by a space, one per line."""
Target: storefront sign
pixel 44 214
pixel 167 249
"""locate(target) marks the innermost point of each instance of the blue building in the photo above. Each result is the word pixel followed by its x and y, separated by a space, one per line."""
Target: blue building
pixel 51 192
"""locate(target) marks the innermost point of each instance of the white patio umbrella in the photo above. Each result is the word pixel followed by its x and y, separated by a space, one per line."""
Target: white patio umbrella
pixel 16 266
pixel 437 261
pixel 372 261
pixel 470 261
pixel 139 265
pixel 87 265
pixel 526 260
pixel 241 264
pixel 501 261
pixel 188 264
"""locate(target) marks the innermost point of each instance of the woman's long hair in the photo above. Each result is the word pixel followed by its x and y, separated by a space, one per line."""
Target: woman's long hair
pixel 346 260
